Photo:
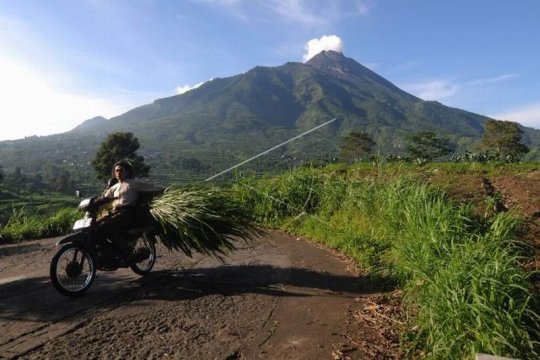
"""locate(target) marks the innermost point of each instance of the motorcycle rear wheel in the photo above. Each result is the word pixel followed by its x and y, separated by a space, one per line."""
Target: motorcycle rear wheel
pixel 72 270
pixel 144 244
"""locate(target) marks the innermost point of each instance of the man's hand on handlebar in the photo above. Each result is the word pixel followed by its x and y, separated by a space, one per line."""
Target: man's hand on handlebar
pixel 100 201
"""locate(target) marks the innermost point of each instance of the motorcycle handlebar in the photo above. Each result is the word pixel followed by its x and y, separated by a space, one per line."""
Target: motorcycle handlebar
pixel 102 201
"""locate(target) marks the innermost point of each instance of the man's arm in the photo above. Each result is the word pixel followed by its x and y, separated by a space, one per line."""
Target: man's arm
pixel 109 192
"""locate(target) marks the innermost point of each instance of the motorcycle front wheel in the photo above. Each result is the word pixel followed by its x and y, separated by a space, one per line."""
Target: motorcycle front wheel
pixel 145 254
pixel 72 270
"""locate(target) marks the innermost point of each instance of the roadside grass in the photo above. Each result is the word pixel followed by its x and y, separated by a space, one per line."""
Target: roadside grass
pixel 26 225
pixel 461 272
pixel 32 216
pixel 460 269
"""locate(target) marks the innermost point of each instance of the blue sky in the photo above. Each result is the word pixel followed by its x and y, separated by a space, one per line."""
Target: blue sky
pixel 62 62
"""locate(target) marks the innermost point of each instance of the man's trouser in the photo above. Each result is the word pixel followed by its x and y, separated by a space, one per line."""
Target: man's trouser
pixel 112 225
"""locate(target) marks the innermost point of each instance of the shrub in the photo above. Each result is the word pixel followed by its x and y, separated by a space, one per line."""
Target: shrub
pixel 26 226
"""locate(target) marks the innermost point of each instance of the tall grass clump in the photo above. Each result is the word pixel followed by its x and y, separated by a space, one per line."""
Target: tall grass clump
pixel 464 285
pixel 204 220
pixel 23 225
pixel 273 199
pixel 462 276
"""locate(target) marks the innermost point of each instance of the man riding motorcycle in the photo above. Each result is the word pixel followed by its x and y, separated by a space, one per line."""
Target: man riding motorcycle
pixel 124 191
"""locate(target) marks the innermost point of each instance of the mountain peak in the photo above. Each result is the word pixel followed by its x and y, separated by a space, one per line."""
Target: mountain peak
pixel 326 57
pixel 339 66
pixel 91 124
pixel 336 64
pixel 331 54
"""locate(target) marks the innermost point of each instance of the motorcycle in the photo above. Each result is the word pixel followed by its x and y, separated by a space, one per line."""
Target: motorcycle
pixel 73 267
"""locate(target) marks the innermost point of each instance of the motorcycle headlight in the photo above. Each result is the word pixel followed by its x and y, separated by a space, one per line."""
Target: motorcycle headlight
pixel 84 204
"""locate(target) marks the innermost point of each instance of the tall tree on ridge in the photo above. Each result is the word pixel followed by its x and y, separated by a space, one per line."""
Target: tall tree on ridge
pixel 119 146
pixel 504 137
pixel 355 146
pixel 425 145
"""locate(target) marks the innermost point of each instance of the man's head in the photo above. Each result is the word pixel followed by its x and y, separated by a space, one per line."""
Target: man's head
pixel 122 170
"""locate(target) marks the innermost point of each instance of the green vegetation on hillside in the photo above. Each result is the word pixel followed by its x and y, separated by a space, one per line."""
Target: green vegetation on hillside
pixel 25 215
pixel 226 120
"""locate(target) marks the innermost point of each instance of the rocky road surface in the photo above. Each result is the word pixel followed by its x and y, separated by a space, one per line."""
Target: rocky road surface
pixel 277 298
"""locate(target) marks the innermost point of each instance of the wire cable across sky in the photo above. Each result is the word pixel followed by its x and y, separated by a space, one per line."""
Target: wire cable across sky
pixel 269 150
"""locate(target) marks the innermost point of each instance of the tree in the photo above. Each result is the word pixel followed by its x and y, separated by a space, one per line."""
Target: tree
pixel 425 145
pixel 118 146
pixel 1 174
pixel 63 182
pixel 356 145
pixel 504 137
pixel 191 164
pixel 194 164
pixel 36 183
pixel 16 180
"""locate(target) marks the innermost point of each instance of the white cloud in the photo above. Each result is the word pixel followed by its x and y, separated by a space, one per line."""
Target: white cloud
pixel 293 10
pixel 432 90
pixel 289 10
pixel 493 80
pixel 472 94
pixel 363 7
pixel 34 99
pixel 304 12
pixel 528 115
pixel 224 3
pixel 234 7
pixel 184 89
pixel 477 95
pixel 31 104
pixel 406 67
pixel 325 42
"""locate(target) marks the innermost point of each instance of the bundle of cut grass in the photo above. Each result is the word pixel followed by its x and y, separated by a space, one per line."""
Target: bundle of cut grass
pixel 204 220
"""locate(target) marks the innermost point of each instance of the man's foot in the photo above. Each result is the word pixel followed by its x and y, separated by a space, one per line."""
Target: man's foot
pixel 135 257
pixel 122 261
pixel 139 255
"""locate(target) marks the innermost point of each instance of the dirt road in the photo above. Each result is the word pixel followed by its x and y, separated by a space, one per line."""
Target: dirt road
pixel 278 298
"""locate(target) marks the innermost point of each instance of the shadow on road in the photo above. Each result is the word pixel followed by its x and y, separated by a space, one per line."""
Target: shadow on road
pixel 35 298
pixel 257 279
